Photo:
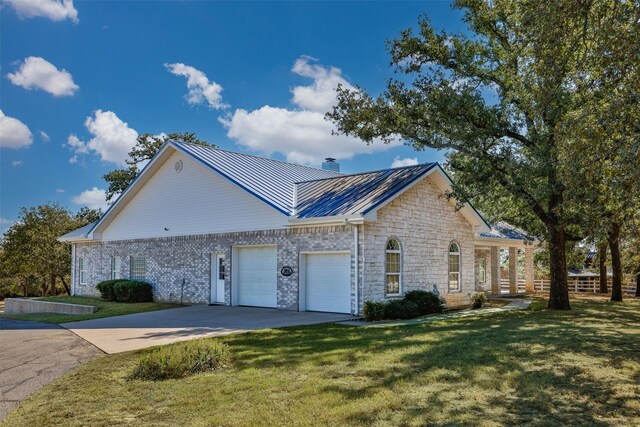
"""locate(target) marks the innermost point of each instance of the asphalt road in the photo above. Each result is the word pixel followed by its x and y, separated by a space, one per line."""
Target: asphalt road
pixel 33 354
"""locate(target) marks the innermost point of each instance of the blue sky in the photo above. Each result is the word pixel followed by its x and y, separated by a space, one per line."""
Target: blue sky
pixel 79 80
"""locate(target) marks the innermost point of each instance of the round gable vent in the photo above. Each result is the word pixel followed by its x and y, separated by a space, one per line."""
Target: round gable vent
pixel 178 166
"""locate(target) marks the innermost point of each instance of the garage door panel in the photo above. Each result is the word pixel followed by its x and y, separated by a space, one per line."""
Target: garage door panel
pixel 328 282
pixel 257 276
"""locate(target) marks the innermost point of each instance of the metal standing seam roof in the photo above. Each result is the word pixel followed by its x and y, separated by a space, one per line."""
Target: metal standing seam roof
pixel 81 232
pixel 503 230
pixel 270 180
pixel 354 194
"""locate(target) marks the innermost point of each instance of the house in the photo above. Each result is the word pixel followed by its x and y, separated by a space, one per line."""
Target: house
pixel 205 225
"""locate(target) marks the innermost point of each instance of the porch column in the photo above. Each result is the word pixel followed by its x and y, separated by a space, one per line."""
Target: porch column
pixel 495 270
pixel 513 270
pixel 528 269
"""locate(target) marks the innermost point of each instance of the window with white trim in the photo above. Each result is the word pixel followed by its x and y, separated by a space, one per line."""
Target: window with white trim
pixel 454 267
pixel 393 267
pixel 84 271
pixel 482 270
pixel 116 267
pixel 138 268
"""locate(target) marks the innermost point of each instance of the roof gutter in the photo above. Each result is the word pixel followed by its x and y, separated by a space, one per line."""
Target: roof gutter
pixel 329 220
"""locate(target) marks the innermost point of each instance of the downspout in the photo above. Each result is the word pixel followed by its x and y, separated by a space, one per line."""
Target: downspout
pixel 73 269
pixel 357 267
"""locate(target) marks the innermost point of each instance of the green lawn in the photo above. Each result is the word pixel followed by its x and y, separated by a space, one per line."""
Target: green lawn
pixel 534 367
pixel 105 309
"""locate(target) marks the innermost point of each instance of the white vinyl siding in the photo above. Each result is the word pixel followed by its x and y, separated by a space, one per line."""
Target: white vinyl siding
pixel 196 200
pixel 328 282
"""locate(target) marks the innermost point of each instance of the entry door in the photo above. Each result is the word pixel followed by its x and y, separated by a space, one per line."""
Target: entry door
pixel 217 278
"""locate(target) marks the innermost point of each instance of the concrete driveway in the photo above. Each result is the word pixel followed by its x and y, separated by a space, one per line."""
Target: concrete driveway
pixel 33 354
pixel 141 330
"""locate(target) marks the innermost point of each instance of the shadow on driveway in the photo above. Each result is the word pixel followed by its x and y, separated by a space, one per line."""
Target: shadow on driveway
pixel 141 330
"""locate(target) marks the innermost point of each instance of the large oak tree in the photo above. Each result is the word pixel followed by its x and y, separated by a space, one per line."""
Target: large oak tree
pixel 497 98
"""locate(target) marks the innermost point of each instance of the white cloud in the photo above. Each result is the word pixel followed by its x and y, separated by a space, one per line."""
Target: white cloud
pixel 43 136
pixel 93 199
pixel 112 138
pixel 16 163
pixel 59 190
pixel 201 89
pixel 407 161
pixel 301 134
pixel 56 10
pixel 5 221
pixel 14 133
pixel 38 73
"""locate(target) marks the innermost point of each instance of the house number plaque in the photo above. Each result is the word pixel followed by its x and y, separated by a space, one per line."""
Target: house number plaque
pixel 286 271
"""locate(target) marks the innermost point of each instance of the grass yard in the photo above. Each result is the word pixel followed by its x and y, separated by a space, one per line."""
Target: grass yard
pixel 534 367
pixel 105 309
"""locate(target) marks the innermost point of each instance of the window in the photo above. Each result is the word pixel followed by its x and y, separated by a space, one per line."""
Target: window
pixel 482 270
pixel 454 267
pixel 84 273
pixel 392 267
pixel 116 265
pixel 138 268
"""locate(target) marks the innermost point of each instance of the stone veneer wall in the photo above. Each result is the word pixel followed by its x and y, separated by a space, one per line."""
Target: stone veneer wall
pixel 425 223
pixel 172 260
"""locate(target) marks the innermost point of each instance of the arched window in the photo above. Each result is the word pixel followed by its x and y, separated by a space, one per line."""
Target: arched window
pixel 392 267
pixel 454 267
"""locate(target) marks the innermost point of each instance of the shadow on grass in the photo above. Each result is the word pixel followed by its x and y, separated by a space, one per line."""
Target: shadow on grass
pixel 538 368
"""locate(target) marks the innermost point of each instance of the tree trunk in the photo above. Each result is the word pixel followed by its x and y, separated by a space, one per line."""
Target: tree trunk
pixel 66 287
pixel 638 285
pixel 602 255
pixel 43 288
pixel 616 264
pixel 558 290
pixel 52 279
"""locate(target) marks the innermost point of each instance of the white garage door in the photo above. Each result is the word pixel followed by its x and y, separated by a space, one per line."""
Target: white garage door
pixel 328 282
pixel 257 276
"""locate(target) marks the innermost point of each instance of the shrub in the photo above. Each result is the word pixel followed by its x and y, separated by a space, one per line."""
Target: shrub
pixel 132 291
pixel 477 299
pixel 106 289
pixel 400 309
pixel 182 359
pixel 373 311
pixel 427 302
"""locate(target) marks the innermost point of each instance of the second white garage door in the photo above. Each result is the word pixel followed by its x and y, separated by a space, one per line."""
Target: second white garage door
pixel 257 276
pixel 328 282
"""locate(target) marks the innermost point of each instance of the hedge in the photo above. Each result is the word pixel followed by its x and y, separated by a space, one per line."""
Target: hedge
pixel 414 304
pixel 121 290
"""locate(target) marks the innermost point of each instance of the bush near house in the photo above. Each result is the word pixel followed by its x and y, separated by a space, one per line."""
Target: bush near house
pixel 125 291
pixel 181 360
pixel 477 299
pixel 414 304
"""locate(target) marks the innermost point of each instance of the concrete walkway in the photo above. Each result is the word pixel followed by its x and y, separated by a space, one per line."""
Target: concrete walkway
pixel 33 354
pixel 141 330
pixel 516 304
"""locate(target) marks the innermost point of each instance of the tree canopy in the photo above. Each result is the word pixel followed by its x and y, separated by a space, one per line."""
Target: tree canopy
pixel 30 247
pixel 499 98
